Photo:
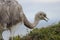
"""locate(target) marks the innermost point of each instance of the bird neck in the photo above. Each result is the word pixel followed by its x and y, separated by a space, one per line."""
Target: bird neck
pixel 29 24
pixel 36 21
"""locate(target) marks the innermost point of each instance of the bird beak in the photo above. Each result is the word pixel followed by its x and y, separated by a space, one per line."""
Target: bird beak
pixel 46 19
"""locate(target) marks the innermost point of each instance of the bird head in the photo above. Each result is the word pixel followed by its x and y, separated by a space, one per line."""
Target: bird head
pixel 42 16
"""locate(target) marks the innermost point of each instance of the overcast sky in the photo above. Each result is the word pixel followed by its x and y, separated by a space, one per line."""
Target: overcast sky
pixel 31 7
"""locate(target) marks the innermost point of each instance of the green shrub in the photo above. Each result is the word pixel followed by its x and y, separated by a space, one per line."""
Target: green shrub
pixel 51 32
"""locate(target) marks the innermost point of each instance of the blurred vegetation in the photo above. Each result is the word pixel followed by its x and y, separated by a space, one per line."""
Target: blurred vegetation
pixel 51 32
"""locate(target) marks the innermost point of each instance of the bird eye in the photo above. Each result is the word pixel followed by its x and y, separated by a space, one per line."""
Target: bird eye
pixel 40 14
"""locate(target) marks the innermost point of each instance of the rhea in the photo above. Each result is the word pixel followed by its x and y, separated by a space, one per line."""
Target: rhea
pixel 11 13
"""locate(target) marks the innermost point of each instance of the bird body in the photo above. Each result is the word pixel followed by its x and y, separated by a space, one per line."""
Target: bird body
pixel 10 13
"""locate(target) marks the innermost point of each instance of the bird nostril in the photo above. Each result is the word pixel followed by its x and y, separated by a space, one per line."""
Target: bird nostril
pixel 44 15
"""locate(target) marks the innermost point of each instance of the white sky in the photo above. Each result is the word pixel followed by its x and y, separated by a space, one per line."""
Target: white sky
pixel 50 7
pixel 40 1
